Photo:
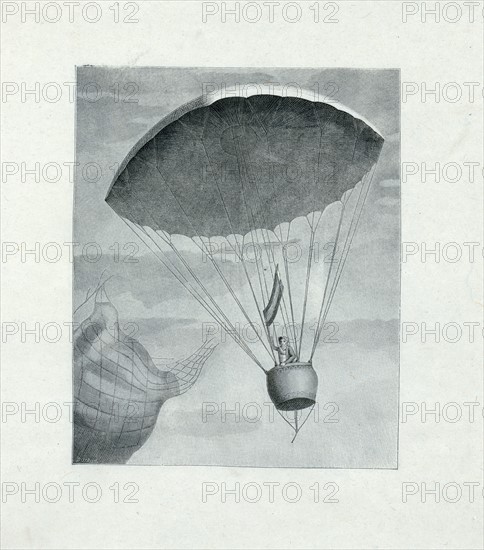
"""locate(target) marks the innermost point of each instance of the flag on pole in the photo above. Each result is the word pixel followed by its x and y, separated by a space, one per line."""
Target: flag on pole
pixel 270 311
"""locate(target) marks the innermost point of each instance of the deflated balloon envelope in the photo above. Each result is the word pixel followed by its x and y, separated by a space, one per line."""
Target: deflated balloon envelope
pixel 118 390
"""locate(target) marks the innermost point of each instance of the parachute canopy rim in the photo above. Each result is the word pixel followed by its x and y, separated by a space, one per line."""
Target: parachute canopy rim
pixel 241 240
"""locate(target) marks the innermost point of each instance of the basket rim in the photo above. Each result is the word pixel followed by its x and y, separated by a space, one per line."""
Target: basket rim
pixel 298 364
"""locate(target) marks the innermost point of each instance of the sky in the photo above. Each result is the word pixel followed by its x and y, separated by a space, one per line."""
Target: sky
pixel 115 108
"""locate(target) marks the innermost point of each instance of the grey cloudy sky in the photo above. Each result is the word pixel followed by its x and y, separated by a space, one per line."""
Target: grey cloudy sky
pixel 117 106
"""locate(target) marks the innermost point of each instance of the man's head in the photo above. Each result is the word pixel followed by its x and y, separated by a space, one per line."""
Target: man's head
pixel 283 340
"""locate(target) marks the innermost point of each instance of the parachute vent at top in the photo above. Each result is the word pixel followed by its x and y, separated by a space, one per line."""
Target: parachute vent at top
pixel 244 163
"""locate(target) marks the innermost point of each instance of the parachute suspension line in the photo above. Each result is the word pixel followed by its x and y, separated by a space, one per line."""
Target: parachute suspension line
pixel 306 286
pixel 241 255
pixel 268 249
pixel 209 254
pixel 261 277
pixel 283 309
pixel 285 241
pixel 298 429
pixel 196 279
pixel 285 316
pixel 171 268
pixel 219 309
pixel 286 269
pixel 219 271
pixel 284 313
pixel 318 333
pixel 246 166
pixel 185 283
pixel 264 299
pixel 232 292
pixel 285 419
pixel 313 229
pixel 272 264
pixel 253 228
pixel 367 180
pixel 181 278
pixel 166 262
pixel 263 222
pixel 227 284
pixel 348 241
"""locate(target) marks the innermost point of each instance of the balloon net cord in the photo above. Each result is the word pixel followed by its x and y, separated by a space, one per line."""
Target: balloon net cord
pixel 90 294
pixel 131 359
pixel 106 407
pixel 109 399
pixel 187 371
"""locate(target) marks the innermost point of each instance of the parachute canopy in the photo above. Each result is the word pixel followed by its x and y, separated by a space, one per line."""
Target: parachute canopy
pixel 243 163
pixel 245 168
